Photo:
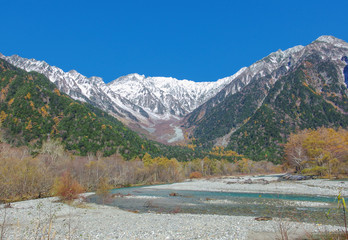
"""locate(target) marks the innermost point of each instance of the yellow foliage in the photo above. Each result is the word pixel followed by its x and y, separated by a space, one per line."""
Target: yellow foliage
pixel 28 96
pixel 29 126
pixel 43 111
pixel 56 91
pixel 3 116
pixel 246 120
pixel 10 102
pixel 103 187
pixel 3 94
pixel 32 105
pixel 191 146
pixel 56 120
pixel 323 151
pixel 244 165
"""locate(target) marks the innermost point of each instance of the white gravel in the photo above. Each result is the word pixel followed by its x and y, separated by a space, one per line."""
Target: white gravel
pixel 31 219
pixel 259 185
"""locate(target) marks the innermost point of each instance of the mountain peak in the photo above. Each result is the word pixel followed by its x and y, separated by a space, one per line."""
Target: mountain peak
pixel 73 71
pixel 136 76
pixel 1 55
pixel 327 38
pixel 332 40
pixel 96 79
pixel 130 77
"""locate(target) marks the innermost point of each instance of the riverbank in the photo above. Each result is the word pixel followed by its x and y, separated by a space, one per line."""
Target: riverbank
pixel 264 184
pixel 39 218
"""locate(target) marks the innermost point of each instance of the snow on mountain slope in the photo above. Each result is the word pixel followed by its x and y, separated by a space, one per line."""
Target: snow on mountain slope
pixel 92 90
pixel 163 95
pixel 139 102
pixel 146 102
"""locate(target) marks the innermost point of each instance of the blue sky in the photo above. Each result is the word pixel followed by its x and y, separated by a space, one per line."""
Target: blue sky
pixel 195 40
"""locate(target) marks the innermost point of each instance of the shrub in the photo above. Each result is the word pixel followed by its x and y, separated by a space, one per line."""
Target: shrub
pixel 104 187
pixel 195 175
pixel 66 187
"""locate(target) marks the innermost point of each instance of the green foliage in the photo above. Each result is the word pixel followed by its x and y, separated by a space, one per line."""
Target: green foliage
pixel 228 114
pixel 262 115
pixel 315 171
pixel 290 105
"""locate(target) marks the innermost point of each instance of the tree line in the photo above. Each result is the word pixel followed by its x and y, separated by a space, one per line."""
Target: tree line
pixel 24 176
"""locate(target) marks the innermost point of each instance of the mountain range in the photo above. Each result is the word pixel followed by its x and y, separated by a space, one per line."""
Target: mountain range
pixel 252 111
pixel 141 102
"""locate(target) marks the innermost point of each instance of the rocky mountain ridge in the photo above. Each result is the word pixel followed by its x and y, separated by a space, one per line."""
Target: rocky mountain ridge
pixel 304 89
pixel 151 104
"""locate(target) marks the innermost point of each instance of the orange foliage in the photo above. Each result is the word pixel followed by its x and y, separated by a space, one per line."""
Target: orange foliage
pixel 56 91
pixel 195 175
pixel 66 187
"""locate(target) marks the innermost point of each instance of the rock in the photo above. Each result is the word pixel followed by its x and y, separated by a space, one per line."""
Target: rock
pixel 248 181
pixel 292 177
pixel 263 218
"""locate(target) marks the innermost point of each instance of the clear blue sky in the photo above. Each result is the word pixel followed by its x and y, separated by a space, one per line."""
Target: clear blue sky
pixel 196 40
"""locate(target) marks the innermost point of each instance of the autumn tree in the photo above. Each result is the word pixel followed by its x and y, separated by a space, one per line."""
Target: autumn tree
pixel 295 152
pixel 66 187
pixel 322 152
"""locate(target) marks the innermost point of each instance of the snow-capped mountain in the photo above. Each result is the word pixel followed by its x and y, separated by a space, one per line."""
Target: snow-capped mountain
pixel 274 66
pixel 147 101
pixel 133 98
pixel 92 90
pixel 165 95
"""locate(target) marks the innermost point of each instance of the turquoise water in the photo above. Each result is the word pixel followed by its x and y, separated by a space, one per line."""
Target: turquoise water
pixel 141 199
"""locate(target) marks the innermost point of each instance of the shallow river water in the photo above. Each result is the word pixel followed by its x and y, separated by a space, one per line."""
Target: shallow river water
pixel 304 208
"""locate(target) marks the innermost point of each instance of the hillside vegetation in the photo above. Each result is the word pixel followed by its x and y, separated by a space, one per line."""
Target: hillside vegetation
pixel 262 115
pixel 32 110
pixel 297 101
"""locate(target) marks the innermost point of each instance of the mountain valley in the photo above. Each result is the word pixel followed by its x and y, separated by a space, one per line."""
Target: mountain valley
pixel 251 112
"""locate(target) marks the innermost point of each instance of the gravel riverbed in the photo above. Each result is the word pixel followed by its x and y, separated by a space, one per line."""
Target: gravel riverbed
pixel 37 219
pixel 266 184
